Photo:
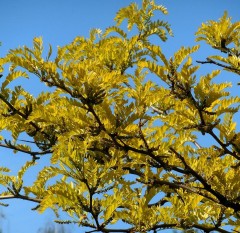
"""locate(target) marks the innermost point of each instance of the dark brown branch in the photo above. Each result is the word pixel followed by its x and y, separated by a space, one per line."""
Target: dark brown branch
pixel 178 185
pixel 210 61
pixel 19 196
pixel 222 199
pixel 123 145
pixel 224 146
pixel 91 208
pixel 161 202
pixel 32 153
pixel 62 86
pixel 25 117
pixel 210 229
pixel 129 230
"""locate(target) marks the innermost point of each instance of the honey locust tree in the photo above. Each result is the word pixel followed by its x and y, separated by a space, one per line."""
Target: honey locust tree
pixel 125 127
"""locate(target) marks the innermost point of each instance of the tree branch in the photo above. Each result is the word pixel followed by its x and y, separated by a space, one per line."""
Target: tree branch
pixel 34 154
pixel 19 196
pixel 224 146
pixel 25 117
pixel 222 199
pixel 210 61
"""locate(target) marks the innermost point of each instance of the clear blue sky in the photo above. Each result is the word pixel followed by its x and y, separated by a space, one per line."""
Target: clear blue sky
pixel 58 22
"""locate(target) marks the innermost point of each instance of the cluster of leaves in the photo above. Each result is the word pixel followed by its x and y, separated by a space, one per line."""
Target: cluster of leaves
pixel 223 36
pixel 124 148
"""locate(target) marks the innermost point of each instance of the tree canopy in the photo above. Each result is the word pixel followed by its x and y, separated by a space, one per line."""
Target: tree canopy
pixel 124 127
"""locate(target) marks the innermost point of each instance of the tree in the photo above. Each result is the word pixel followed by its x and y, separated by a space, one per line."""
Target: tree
pixel 125 128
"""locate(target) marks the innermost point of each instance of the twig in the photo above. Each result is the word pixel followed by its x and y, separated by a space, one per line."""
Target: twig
pixel 32 153
pixel 210 61
pixel 19 196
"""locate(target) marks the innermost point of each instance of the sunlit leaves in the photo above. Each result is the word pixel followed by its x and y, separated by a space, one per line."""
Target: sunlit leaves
pixel 215 33
pixel 13 75
pixel 224 36
pixel 124 127
pixel 208 92
pixel 115 29
pixel 158 28
pixel 142 19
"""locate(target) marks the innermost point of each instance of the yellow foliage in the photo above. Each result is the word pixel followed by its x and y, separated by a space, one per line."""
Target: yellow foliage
pixel 125 127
